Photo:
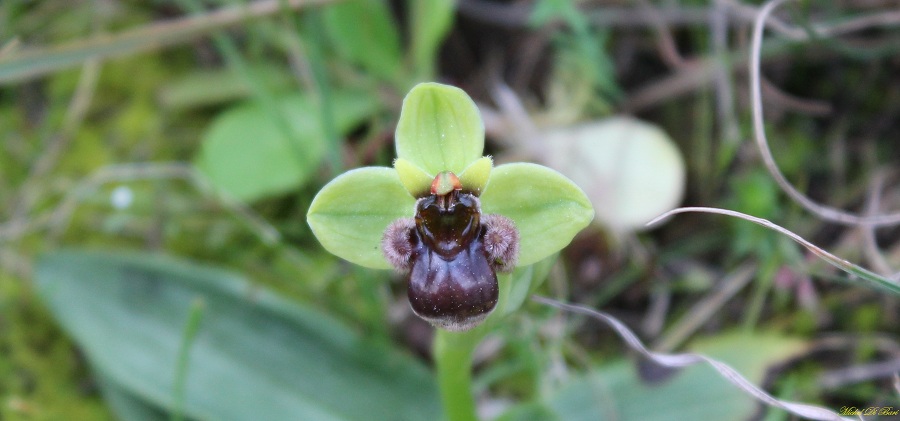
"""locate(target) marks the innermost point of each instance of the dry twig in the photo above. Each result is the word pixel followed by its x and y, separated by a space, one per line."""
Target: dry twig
pixel 824 212
pixel 687 359
pixel 857 271
pixel 58 217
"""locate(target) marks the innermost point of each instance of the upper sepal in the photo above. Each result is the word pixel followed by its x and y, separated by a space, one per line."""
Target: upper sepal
pixel 440 129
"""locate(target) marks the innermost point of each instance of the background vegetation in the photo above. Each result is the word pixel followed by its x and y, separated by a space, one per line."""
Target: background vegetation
pixel 193 135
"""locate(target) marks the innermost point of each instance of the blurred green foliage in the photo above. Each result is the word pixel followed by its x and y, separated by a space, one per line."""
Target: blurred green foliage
pixel 271 108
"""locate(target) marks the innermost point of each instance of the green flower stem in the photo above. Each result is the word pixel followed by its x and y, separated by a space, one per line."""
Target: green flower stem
pixel 453 357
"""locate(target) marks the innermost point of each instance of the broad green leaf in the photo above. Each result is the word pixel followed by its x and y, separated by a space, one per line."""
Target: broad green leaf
pixel 431 20
pixel 440 129
pixel 126 405
pixel 247 153
pixel 531 411
pixel 416 181
pixel 631 171
pixel 547 208
pixel 614 391
pixel 476 176
pixel 364 33
pixel 254 357
pixel 350 213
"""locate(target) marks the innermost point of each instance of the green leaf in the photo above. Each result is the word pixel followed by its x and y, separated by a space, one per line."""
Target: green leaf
pixel 547 208
pixel 255 355
pixel 126 405
pixel 415 180
pixel 350 213
pixel 431 20
pixel 364 33
pixel 531 411
pixel 440 129
pixel 615 391
pixel 247 154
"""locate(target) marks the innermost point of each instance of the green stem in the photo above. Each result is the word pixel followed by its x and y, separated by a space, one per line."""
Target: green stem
pixel 453 357
pixel 181 365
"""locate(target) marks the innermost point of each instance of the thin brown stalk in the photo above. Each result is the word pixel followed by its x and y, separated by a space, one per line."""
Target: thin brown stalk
pixel 701 72
pixel 33 62
pixel 858 273
pixel 786 100
pixel 719 23
pixel 668 50
pixel 834 379
pixel 74 116
pixel 825 212
pixel 57 218
pixel 870 245
pixel 705 308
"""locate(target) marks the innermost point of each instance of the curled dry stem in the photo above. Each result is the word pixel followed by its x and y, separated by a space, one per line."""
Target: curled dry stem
pixel 870 246
pixel 687 359
pixel 825 212
pixel 856 271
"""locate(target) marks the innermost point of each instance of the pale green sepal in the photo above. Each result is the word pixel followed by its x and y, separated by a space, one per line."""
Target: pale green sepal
pixel 416 181
pixel 547 208
pixel 440 129
pixel 475 177
pixel 350 213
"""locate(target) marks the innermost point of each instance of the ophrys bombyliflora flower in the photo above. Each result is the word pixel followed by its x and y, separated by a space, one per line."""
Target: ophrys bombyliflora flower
pixel 439 166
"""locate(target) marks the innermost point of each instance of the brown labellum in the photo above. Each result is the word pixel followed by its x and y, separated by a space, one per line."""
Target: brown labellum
pixel 452 253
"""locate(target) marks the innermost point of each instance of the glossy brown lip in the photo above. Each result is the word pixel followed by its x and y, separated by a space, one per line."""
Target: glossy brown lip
pixel 452 253
pixel 452 283
pixel 455 293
